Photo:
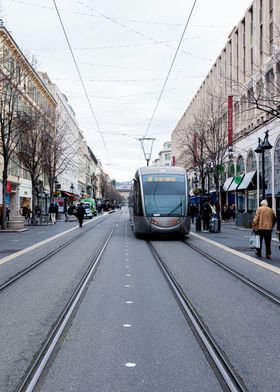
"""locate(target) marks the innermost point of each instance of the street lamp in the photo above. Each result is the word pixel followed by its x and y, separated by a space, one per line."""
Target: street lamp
pixel 208 172
pixel 263 145
pixel 198 218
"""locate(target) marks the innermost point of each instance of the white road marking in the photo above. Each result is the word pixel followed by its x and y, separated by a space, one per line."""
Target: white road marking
pixel 127 325
pixel 128 275
pixel 35 246
pixel 127 285
pixel 129 302
pixel 251 259
pixel 130 364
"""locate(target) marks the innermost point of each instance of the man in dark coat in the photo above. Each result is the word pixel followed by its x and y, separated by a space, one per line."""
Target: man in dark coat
pixel 206 216
pixel 80 214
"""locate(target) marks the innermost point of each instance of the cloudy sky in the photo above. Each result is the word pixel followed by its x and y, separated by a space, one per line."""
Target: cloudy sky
pixel 124 51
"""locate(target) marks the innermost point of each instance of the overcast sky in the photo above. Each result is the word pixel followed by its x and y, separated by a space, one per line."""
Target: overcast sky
pixel 124 50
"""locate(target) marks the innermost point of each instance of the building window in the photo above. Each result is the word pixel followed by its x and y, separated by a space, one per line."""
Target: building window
pixel 251 163
pixel 240 168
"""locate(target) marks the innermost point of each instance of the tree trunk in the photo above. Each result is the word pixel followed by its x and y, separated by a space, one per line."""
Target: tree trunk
pixel 4 193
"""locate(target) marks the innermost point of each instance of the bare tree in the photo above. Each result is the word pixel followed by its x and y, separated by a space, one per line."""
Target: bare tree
pixel 60 151
pixel 204 141
pixel 13 120
pixel 31 151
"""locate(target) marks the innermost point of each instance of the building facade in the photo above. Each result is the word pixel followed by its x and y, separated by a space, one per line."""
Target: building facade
pixel 248 72
pixel 164 156
pixel 32 97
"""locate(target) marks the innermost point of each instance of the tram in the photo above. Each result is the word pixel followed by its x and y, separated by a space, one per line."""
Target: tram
pixel 159 201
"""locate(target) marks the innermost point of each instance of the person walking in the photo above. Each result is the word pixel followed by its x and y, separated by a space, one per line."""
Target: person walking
pixel 263 223
pixel 80 214
pixel 52 211
pixel 278 223
pixel 206 216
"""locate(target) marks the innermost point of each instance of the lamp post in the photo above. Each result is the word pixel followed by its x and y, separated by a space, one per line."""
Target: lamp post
pixel 198 218
pixel 262 146
pixel 72 191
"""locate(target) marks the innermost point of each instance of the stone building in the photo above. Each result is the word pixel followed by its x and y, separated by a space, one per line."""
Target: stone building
pixel 246 73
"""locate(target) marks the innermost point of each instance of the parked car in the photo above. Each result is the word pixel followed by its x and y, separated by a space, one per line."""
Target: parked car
pixel 88 209
pixel 91 204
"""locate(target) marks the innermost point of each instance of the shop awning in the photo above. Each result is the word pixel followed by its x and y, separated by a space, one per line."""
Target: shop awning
pixel 247 181
pixel 235 182
pixel 227 183
pixel 67 194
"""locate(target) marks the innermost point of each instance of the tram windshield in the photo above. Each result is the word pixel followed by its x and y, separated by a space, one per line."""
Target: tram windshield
pixel 164 195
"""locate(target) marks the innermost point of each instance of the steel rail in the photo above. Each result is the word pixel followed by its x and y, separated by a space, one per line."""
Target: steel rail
pixel 210 347
pixel 39 261
pixel 254 286
pixel 36 369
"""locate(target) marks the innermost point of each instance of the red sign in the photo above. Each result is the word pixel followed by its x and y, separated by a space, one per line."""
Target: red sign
pixel 230 122
pixel 173 160
pixel 9 187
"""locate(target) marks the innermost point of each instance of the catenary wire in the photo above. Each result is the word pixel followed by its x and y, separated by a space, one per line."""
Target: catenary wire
pixel 171 66
pixel 81 79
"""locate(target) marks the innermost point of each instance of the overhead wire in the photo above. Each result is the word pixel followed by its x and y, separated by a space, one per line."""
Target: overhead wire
pixel 81 79
pixel 171 66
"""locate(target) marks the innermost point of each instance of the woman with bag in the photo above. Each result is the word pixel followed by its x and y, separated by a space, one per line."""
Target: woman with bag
pixel 263 223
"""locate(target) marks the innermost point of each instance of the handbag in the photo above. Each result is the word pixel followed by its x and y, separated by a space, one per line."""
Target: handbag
pixel 254 241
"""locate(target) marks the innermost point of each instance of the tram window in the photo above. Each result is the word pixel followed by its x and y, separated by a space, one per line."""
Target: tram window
pixel 164 195
pixel 137 198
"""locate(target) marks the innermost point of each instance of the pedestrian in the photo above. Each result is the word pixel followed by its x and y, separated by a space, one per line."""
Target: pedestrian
pixel 80 214
pixel 262 225
pixel 278 223
pixel 193 212
pixel 232 211
pixel 52 211
pixel 38 213
pixel 56 210
pixel 66 212
pixel 8 213
pixel 206 216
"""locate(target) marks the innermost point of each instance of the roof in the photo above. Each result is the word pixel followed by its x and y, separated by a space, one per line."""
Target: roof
pixel 161 170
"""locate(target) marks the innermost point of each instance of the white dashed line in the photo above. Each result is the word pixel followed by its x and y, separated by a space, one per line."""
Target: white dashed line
pixel 130 364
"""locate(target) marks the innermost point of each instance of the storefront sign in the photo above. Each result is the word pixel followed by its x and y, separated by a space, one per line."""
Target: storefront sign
pixel 9 187
pixel 230 122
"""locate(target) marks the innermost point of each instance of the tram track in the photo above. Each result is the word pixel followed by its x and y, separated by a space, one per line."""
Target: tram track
pixel 216 357
pixel 242 278
pixel 13 279
pixel 37 368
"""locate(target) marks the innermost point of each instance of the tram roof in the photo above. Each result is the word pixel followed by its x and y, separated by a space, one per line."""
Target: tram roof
pixel 161 169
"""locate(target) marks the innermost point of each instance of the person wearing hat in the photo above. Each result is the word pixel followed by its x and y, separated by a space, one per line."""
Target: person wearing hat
pixel 263 223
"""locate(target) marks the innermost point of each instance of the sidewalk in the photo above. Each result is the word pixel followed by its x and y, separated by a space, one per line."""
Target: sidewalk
pixel 237 237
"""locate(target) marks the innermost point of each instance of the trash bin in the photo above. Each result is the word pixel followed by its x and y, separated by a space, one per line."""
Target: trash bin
pixel 198 224
pixel 240 217
pixel 248 219
pixel 214 225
